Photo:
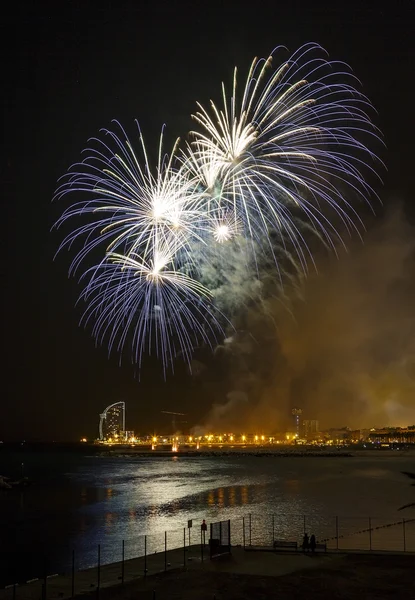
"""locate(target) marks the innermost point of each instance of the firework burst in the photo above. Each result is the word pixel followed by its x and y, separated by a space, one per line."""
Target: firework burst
pixel 284 156
pixel 133 210
pixel 149 307
pixel 291 143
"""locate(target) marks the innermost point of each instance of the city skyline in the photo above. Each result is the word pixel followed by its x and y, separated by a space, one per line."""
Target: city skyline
pixel 114 428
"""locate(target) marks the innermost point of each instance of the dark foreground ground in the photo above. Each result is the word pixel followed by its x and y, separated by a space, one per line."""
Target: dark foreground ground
pixel 245 575
pixel 345 577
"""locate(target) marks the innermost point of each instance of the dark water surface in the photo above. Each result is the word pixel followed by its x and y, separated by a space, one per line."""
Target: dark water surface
pixel 78 502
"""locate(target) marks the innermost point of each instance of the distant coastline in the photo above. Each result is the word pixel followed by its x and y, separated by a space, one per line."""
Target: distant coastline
pixel 260 452
pixel 145 451
pixel 220 453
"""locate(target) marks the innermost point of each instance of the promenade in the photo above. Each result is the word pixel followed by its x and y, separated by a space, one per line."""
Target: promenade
pixel 244 574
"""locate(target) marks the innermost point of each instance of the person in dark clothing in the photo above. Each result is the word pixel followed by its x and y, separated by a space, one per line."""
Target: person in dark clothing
pixel 313 543
pixel 204 529
pixel 305 543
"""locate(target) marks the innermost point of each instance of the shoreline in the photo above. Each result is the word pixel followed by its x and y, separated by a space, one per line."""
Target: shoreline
pixel 217 453
pixel 123 452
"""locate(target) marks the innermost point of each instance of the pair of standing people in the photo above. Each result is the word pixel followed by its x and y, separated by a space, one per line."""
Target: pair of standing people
pixel 309 543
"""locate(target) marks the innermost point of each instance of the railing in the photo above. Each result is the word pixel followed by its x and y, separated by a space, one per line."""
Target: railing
pixel 66 573
pixel 337 532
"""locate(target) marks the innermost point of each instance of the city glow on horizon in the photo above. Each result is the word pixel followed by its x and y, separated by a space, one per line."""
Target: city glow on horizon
pixel 303 432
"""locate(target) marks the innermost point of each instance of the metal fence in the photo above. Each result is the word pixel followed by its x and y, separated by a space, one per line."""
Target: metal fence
pixel 337 532
pixel 107 564
pixel 118 561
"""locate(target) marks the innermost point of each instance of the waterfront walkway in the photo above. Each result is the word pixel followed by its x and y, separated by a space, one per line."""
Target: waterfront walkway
pixel 187 567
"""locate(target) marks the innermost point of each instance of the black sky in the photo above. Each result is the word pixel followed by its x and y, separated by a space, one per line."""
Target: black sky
pixel 70 68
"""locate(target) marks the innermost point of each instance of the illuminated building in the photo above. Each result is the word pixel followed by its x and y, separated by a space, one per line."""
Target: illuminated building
pixel 112 422
pixel 337 436
pixel 297 412
pixel 393 435
pixel 355 436
pixel 310 429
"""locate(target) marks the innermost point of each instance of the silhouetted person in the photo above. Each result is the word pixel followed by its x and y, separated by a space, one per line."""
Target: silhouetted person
pixel 204 529
pixel 313 543
pixel 305 543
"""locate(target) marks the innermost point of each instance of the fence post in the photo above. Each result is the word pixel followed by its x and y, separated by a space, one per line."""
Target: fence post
pixel 45 580
pixel 304 523
pixel 337 533
pixel 201 543
pixel 370 533
pixel 404 535
pixel 73 575
pixel 122 564
pixel 184 546
pixel 250 529
pixel 145 556
pixel 165 550
pixel 273 530
pixel 243 531
pixel 99 570
pixel 15 576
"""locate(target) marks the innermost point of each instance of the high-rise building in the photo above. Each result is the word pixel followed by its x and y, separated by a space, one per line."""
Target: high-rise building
pixel 310 428
pixel 112 422
pixel 297 412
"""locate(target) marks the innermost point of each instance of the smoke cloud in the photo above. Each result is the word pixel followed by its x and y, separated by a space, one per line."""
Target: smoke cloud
pixel 340 344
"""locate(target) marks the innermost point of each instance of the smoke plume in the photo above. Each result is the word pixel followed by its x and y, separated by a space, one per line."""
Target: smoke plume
pixel 340 343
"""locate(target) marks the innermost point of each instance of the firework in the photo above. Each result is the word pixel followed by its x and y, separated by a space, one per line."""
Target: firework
pixel 145 225
pixel 290 144
pixel 133 210
pixel 149 307
pixel 283 157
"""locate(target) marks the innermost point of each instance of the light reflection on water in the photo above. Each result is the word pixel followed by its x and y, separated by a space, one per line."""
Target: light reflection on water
pixel 150 496
pixel 107 500
pixel 162 494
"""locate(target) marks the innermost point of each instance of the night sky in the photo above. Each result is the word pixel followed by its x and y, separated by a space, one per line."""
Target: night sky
pixel 70 69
